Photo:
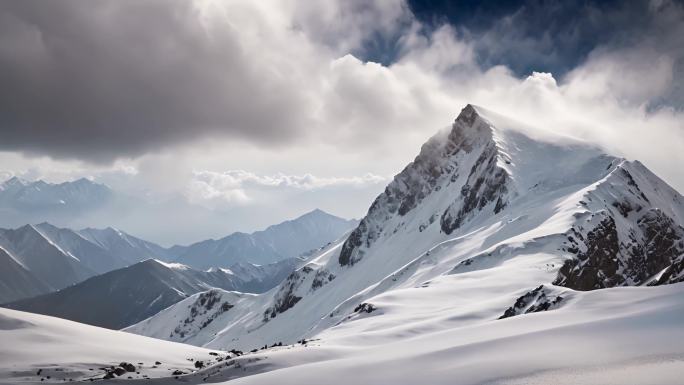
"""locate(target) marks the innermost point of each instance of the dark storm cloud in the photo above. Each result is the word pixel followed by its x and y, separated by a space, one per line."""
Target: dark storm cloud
pixel 103 79
pixel 556 36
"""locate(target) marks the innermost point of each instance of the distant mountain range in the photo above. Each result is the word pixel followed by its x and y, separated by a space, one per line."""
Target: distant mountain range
pixel 18 194
pixel 154 217
pixel 39 259
pixel 56 257
pixel 125 296
pixel 285 240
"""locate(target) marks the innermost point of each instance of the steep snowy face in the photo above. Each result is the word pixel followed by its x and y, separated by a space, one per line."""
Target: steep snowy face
pixel 461 165
pixel 16 282
pixel 46 260
pixel 123 245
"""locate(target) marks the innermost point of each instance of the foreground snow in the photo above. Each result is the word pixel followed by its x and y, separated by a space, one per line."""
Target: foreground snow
pixel 65 350
pixel 609 336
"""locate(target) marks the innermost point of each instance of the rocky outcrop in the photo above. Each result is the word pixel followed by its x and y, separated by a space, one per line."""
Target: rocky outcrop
pixel 486 184
pixel 629 242
pixel 208 306
pixel 534 301
pixel 596 267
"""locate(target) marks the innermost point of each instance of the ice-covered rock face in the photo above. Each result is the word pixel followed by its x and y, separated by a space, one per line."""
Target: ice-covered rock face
pixel 466 156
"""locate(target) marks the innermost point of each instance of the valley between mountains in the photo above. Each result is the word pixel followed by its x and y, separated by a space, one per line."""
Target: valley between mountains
pixel 503 254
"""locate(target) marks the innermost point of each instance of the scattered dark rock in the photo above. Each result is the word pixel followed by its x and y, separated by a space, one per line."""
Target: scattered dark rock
pixel 533 301
pixel 365 308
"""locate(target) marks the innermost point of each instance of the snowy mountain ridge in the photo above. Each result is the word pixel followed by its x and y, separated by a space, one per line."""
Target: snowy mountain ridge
pixel 490 199
pixel 125 296
pixel 82 193
pixel 56 257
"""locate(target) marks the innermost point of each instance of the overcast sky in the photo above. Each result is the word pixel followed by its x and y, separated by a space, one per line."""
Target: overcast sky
pixel 262 110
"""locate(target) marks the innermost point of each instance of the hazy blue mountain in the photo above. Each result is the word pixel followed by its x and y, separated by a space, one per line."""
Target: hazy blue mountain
pixel 284 240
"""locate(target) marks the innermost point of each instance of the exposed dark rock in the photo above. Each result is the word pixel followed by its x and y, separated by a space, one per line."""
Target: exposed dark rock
pixel 204 305
pixel 486 184
pixel 321 278
pixel 354 240
pixel 285 298
pixel 533 301
pixel 652 246
pixel 597 267
pixel 365 308
pixel 624 207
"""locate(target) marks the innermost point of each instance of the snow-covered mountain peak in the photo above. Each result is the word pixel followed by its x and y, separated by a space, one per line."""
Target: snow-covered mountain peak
pixel 170 265
pixel 487 211
pixel 13 182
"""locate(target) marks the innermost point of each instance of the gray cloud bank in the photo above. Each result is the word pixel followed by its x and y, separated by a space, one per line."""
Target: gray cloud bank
pixel 105 79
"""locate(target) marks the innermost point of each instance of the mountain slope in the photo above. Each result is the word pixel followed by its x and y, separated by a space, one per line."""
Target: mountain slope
pixel 126 246
pixel 55 267
pixel 16 282
pixel 285 240
pixel 90 255
pixel 490 210
pixel 122 297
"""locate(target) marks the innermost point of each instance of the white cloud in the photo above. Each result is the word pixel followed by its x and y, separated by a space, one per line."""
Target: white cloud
pixel 238 187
